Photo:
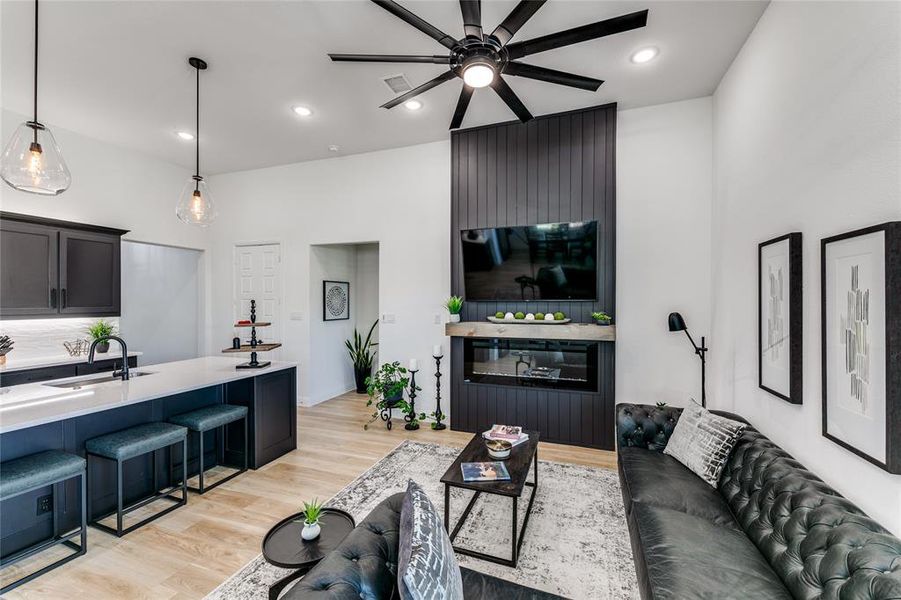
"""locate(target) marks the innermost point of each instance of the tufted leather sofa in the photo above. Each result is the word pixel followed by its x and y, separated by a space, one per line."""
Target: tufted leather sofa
pixel 364 566
pixel 770 530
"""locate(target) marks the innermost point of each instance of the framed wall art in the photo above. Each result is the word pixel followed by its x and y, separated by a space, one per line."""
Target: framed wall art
pixel 780 343
pixel 861 338
pixel 335 300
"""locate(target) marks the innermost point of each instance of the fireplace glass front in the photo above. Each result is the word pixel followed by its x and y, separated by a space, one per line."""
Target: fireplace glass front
pixel 561 365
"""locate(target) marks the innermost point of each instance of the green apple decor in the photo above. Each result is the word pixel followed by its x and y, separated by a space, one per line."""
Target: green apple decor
pixel 499 315
pixel 559 316
pixel 519 315
pixel 539 316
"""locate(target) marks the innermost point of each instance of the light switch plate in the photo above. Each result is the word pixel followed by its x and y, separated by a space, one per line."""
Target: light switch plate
pixel 388 317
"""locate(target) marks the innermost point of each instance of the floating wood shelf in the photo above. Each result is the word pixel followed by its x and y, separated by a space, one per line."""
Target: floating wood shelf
pixel 257 324
pixel 249 348
pixel 570 331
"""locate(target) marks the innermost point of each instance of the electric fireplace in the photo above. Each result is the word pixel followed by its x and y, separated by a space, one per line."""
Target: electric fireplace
pixel 555 364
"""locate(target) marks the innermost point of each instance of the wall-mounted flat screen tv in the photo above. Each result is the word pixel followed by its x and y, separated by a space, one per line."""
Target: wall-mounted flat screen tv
pixel 551 261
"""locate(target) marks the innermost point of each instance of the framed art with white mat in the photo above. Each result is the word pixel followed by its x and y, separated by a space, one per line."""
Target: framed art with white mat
pixel 861 338
pixel 780 343
pixel 335 300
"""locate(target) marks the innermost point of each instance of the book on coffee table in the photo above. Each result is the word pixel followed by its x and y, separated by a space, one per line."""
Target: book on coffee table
pixel 484 471
pixel 505 432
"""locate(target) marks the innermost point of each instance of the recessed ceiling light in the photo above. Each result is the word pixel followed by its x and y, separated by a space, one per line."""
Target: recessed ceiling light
pixel 413 104
pixel 303 111
pixel 185 135
pixel 333 148
pixel 645 55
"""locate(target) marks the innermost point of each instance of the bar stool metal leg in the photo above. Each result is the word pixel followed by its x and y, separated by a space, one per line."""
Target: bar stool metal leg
pixel 184 471
pixel 200 435
pixel 119 486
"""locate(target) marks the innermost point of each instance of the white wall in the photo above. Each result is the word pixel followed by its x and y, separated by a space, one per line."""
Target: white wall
pixel 332 371
pixel 399 198
pixel 807 128
pixel 664 187
pixel 161 301
pixel 367 294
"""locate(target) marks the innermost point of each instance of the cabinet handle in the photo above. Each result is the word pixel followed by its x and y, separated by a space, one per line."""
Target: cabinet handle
pixel 52 297
pixel 63 292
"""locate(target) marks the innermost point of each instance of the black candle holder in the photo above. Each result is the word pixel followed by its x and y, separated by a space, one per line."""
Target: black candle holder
pixel 410 417
pixel 438 425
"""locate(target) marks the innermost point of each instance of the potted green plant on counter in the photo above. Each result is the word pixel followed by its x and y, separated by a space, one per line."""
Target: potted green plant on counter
pixel 386 390
pixel 454 306
pixel 311 513
pixel 362 354
pixel 601 318
pixel 100 330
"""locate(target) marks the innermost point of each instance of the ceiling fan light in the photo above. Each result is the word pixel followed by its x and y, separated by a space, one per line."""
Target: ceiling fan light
pixel 478 75
pixel 412 104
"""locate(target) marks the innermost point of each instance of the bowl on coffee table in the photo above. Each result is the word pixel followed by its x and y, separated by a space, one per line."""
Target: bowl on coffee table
pixel 498 449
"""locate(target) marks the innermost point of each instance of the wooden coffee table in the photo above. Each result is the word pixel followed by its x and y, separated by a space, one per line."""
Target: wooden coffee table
pixel 521 459
pixel 283 546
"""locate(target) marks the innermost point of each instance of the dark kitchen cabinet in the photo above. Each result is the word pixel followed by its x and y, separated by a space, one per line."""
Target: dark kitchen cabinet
pixel 51 268
pixel 22 376
pixel 271 399
pixel 29 270
pixel 89 273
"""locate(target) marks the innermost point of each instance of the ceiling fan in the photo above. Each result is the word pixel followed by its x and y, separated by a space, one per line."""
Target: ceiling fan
pixel 480 60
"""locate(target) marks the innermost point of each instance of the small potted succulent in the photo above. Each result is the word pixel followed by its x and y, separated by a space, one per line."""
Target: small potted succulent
pixel 454 306
pixel 99 330
pixel 601 318
pixel 311 513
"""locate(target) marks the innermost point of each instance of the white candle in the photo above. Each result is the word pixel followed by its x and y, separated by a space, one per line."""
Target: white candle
pixel 414 364
pixel 437 351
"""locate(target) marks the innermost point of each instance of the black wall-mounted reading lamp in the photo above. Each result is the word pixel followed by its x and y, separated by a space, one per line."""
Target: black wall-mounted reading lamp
pixel 677 323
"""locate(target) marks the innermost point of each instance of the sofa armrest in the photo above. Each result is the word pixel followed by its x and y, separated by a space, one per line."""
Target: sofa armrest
pixel 645 426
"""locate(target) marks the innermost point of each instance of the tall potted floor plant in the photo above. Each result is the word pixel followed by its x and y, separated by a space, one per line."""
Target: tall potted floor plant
pixel 362 354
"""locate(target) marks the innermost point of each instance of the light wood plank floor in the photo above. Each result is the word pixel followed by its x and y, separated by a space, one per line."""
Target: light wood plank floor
pixel 190 551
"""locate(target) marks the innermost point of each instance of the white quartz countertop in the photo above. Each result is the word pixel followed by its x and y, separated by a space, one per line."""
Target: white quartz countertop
pixel 33 404
pixel 20 364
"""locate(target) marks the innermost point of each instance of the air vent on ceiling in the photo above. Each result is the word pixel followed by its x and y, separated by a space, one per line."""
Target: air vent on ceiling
pixel 398 83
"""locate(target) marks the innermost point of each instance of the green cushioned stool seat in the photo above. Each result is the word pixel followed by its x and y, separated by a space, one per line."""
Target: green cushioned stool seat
pixel 37 470
pixel 137 440
pixel 211 417
pixel 51 468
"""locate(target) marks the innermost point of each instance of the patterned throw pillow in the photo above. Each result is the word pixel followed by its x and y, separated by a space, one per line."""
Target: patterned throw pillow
pixel 702 441
pixel 427 568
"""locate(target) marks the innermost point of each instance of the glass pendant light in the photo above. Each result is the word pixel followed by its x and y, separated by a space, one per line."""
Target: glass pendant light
pixel 32 161
pixel 195 205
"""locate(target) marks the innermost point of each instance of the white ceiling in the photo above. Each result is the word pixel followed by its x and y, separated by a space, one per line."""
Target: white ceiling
pixel 117 70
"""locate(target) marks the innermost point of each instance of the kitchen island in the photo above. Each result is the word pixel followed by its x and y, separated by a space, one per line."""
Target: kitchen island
pixel 62 414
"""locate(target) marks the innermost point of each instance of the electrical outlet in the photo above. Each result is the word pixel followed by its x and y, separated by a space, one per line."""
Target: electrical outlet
pixel 45 504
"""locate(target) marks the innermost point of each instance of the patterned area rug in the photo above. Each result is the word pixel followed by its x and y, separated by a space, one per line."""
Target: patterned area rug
pixel 576 544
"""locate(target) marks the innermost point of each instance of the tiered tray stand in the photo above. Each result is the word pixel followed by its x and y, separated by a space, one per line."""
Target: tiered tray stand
pixel 253 347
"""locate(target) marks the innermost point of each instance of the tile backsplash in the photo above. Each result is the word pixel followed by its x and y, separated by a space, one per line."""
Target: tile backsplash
pixel 40 338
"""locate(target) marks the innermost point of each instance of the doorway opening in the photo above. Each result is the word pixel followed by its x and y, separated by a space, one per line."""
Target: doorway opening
pixel 332 266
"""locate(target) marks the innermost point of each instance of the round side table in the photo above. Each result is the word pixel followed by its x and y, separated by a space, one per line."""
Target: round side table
pixel 283 546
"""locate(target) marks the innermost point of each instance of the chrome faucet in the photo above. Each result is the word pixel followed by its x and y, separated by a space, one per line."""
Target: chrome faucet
pixel 124 372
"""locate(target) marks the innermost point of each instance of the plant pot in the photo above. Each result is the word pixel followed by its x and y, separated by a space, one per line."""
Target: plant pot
pixel 602 323
pixel 455 318
pixel 360 376
pixel 102 347
pixel 310 531
pixel 391 401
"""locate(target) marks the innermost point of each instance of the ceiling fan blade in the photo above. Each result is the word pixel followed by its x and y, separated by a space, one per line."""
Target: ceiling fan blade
pixel 390 58
pixel 472 17
pixel 578 34
pixel 446 76
pixel 509 96
pixel 427 28
pixel 552 76
pixel 462 105
pixel 516 19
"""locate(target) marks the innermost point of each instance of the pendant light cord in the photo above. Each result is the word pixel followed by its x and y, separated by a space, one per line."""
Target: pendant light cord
pixel 35 69
pixel 197 129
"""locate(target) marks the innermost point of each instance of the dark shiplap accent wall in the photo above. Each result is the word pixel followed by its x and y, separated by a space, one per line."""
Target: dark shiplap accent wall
pixel 556 168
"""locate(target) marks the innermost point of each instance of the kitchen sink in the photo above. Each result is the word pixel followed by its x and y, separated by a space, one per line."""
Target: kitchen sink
pixel 105 378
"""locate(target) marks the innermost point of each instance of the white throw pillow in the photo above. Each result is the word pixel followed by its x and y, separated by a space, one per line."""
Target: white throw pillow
pixel 702 441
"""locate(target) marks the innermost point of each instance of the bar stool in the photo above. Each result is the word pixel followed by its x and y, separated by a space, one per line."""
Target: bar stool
pixel 121 446
pixel 213 417
pixel 30 473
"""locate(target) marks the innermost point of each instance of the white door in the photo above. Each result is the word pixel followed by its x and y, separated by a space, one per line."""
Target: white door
pixel 258 276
